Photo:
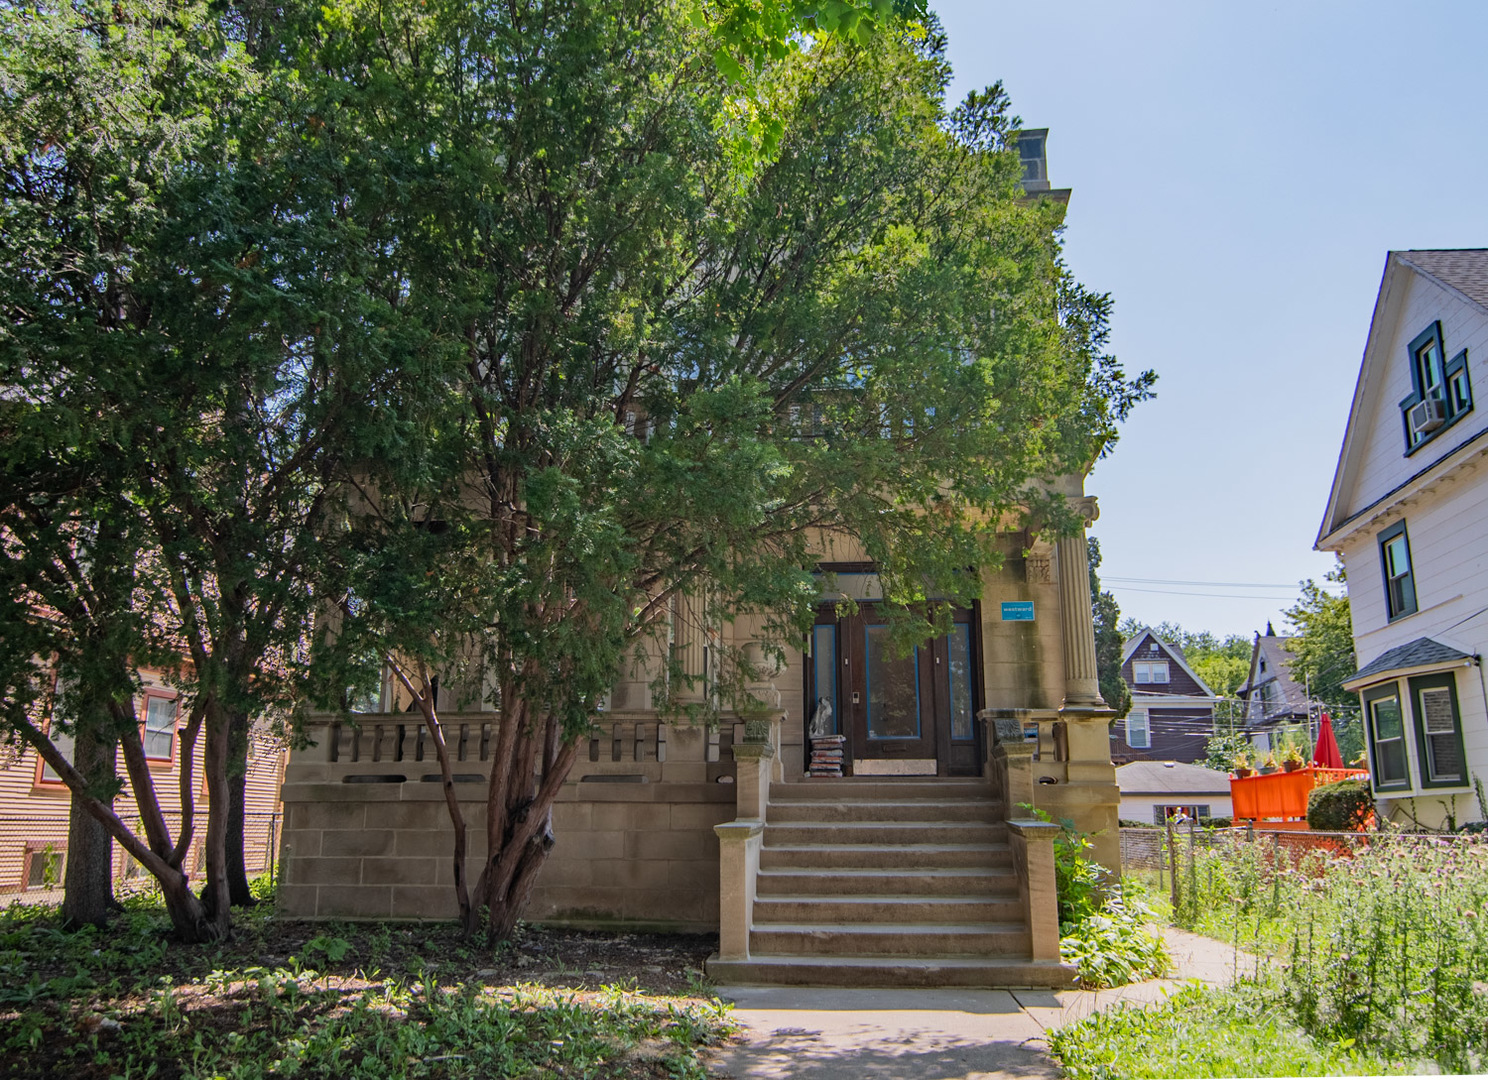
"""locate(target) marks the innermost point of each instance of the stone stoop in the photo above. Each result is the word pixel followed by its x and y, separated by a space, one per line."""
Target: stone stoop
pixel 887 882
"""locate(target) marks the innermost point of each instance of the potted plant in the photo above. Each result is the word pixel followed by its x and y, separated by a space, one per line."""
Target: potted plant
pixel 1242 765
pixel 1269 764
pixel 1292 760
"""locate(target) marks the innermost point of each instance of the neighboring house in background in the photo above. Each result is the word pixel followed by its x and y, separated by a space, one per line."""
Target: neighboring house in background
pixel 1172 712
pixel 1408 514
pixel 1155 790
pixel 1273 700
pixel 34 803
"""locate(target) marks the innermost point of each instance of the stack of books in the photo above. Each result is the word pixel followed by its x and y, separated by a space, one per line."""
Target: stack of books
pixel 826 755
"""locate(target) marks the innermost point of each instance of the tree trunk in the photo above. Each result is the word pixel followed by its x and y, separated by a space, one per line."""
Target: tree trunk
pixel 519 813
pixel 238 891
pixel 214 898
pixel 89 881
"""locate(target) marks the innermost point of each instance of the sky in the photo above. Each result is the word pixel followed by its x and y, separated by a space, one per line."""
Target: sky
pixel 1239 172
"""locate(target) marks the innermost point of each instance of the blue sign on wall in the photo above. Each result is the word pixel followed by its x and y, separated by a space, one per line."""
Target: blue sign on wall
pixel 1017 611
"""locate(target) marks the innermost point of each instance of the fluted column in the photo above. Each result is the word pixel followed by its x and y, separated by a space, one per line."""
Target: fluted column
pixel 1081 679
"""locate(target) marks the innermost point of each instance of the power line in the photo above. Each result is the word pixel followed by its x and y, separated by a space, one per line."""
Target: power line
pixel 1183 592
pixel 1225 584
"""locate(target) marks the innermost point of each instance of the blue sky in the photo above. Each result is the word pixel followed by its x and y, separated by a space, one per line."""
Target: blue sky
pixel 1239 173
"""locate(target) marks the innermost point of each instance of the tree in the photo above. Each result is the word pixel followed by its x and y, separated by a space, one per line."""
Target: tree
pixel 181 270
pixel 672 377
pixel 1322 653
pixel 1108 640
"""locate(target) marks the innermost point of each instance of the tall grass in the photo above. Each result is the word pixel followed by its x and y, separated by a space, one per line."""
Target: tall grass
pixel 1385 944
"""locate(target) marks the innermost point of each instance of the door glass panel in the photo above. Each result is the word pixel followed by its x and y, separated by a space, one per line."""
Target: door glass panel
pixel 893 688
pixel 958 646
pixel 824 667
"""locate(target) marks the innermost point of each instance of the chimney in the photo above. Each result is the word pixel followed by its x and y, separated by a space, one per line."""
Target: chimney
pixel 1035 161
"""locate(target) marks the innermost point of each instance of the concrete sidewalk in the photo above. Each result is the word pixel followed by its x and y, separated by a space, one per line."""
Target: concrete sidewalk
pixel 791 1033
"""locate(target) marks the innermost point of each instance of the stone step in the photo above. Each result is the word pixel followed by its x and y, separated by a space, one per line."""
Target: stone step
pixel 899 910
pixel 875 788
pixel 891 939
pixel 1011 972
pixel 878 881
pixel 888 833
pixel 900 811
pixel 924 856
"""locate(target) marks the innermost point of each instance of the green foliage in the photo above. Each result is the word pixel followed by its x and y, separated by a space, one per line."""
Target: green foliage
pixel 1384 942
pixel 1200 1032
pixel 116 1004
pixel 1116 944
pixel 1342 806
pixel 1222 750
pixel 1323 648
pixel 1108 640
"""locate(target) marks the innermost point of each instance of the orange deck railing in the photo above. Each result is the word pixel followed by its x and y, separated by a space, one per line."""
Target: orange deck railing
pixel 1281 794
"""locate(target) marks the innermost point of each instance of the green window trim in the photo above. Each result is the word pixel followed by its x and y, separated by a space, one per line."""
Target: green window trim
pixel 1426 355
pixel 1433 746
pixel 1377 719
pixel 1398 567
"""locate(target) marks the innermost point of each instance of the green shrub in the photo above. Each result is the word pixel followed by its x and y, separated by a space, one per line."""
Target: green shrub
pixel 1216 822
pixel 1115 945
pixel 1343 806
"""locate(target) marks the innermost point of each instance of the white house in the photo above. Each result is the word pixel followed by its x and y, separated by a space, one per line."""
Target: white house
pixel 1408 514
pixel 1156 790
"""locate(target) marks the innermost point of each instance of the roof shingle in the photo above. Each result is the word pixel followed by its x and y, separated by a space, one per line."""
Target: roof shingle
pixel 1464 269
pixel 1419 653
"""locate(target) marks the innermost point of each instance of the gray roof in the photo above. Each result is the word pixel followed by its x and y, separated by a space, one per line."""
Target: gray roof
pixel 1170 778
pixel 1464 269
pixel 1422 652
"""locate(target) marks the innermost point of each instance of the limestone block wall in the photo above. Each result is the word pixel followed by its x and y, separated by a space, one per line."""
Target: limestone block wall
pixel 367 833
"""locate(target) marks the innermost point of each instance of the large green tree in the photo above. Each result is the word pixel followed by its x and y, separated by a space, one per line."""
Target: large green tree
pixel 676 373
pixel 1323 655
pixel 1108 639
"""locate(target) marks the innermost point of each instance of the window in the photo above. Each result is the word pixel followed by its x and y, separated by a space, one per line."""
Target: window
pixel 160 727
pixel 1400 579
pixel 1031 156
pixel 1138 732
pixel 1387 736
pixel 1150 671
pixel 1438 730
pixel 45 774
pixel 1434 378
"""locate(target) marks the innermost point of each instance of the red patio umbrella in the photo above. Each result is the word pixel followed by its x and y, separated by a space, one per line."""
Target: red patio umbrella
pixel 1325 753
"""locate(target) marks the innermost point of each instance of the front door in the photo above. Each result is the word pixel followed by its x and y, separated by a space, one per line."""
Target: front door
pixel 903 714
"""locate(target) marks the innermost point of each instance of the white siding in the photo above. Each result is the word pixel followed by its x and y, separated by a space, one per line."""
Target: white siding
pixel 1380 463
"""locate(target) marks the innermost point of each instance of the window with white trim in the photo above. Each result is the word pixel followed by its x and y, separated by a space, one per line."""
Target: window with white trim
pixel 160 727
pixel 1387 738
pixel 1400 576
pixel 1438 730
pixel 1150 671
pixel 1138 730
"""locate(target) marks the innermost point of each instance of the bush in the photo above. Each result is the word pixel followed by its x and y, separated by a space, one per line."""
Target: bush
pixel 1115 946
pixel 1126 823
pixel 1343 806
pixel 1216 822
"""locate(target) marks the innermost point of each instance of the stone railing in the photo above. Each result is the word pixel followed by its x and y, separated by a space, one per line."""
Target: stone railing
pixel 367 831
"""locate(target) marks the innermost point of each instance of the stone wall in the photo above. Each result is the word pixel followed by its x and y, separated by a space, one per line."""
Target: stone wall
pixel 367 832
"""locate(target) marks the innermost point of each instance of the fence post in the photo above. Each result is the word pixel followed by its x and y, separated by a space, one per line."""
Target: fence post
pixel 1173 865
pixel 273 852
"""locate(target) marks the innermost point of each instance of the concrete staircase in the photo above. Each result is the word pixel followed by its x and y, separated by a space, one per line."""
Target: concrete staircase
pixel 887 882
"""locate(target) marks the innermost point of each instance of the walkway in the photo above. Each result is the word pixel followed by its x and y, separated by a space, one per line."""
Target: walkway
pixel 793 1033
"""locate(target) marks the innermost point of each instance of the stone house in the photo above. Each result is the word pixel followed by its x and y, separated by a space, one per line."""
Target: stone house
pixel 1172 711
pixel 920 866
pixel 1408 515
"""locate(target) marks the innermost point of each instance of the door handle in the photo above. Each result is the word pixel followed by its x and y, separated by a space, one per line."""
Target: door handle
pixel 855 697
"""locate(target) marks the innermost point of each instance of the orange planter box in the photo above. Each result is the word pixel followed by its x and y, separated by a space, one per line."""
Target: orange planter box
pixel 1281 794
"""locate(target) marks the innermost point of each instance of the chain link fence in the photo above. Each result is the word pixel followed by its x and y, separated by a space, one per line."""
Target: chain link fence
pixel 33 854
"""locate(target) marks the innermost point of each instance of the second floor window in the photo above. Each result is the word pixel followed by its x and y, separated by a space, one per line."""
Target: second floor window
pixel 1400 578
pixel 160 727
pixel 1440 389
pixel 1138 733
pixel 1150 671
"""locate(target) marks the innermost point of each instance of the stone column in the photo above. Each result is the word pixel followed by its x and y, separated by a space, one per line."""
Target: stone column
pixel 1081 680
pixel 1032 843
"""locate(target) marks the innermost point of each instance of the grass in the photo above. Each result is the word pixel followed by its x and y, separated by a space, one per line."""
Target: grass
pixel 1204 1033
pixel 369 1001
pixel 1377 963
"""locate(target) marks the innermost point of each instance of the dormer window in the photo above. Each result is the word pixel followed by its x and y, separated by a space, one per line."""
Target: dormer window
pixel 1441 391
pixel 1150 671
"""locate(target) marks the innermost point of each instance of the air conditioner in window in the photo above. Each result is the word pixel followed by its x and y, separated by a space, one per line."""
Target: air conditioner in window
pixel 1427 415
